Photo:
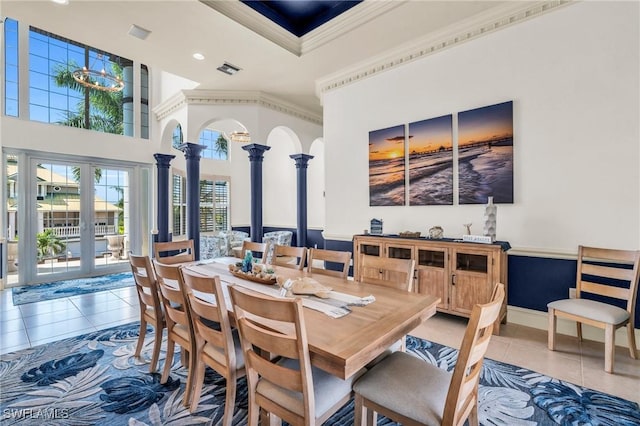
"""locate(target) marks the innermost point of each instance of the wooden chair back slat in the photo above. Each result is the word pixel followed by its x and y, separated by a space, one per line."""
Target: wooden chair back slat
pixel 255 247
pixel 615 273
pixel 173 252
pixel 288 252
pixel 333 256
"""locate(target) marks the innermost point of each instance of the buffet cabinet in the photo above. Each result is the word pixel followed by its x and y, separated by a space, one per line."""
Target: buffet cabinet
pixel 461 274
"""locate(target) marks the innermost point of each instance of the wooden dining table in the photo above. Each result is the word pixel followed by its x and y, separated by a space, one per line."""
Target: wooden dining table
pixel 343 346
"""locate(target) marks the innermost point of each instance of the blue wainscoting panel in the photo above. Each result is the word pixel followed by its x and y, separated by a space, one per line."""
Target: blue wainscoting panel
pixel 536 281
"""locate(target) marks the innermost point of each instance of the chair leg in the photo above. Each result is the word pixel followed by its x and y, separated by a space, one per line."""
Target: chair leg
pixel 141 335
pixel 198 380
pixel 631 341
pixel 579 330
pixel 191 361
pixel 473 415
pixel 359 410
pixel 230 402
pixel 157 344
pixel 609 348
pixel 168 360
pixel 551 333
pixel 254 413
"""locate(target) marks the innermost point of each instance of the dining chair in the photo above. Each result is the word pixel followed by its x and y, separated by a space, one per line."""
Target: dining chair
pixel 607 274
pixel 150 305
pixel 172 252
pixel 256 247
pixel 319 257
pixel 289 257
pixel 178 320
pixel 217 344
pixel 387 271
pixel 283 384
pixel 410 391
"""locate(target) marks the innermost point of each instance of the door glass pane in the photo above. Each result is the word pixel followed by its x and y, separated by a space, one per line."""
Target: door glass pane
pixel 58 209
pixel 11 191
pixel 110 216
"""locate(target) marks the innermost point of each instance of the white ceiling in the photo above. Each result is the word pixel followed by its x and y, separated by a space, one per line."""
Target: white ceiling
pixel 180 28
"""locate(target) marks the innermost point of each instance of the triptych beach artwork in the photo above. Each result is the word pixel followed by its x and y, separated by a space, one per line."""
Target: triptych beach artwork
pixel 484 158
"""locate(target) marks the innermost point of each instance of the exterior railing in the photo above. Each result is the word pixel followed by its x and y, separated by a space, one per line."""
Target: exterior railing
pixel 74 231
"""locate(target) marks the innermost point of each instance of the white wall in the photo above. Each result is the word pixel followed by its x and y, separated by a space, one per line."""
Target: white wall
pixel 573 76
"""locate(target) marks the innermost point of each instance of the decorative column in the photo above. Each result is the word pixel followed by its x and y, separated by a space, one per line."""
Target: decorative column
pixel 302 161
pixel 162 164
pixel 256 155
pixel 192 155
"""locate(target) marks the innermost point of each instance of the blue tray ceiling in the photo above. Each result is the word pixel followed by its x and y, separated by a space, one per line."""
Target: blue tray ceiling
pixel 300 16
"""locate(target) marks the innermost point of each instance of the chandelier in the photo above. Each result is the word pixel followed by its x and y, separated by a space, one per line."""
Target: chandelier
pixel 241 137
pixel 98 80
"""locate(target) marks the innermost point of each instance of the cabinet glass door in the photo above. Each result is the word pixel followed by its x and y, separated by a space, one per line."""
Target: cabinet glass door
pixel 399 251
pixel 370 249
pixel 471 280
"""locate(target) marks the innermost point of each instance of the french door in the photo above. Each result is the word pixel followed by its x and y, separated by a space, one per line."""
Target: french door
pixel 70 218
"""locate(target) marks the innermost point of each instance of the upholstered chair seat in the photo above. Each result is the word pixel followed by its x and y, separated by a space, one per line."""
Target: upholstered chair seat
pixel 387 385
pixel 328 389
pixel 598 311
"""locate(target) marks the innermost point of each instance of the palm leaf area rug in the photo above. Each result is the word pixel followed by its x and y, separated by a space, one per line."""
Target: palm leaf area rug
pixel 68 288
pixel 95 379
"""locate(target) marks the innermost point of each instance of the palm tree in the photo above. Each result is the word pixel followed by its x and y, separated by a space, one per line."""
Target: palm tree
pixel 221 147
pixel 99 110
pixel 97 174
pixel 120 205
pixel 48 244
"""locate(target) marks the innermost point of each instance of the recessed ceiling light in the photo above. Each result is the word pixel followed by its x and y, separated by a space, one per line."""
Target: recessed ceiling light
pixel 139 32
pixel 198 56
pixel 227 68
pixel 61 1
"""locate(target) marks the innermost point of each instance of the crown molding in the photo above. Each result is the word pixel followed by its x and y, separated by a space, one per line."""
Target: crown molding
pixel 469 29
pixel 342 24
pixel 346 22
pixel 228 97
pixel 249 18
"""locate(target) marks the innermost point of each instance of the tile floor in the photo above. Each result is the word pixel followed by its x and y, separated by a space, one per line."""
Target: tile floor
pixel 34 324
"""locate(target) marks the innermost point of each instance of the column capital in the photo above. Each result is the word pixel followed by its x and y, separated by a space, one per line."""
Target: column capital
pixel 302 160
pixel 163 160
pixel 256 151
pixel 191 150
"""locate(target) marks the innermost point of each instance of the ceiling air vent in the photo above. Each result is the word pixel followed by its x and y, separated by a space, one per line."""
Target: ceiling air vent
pixel 139 32
pixel 227 68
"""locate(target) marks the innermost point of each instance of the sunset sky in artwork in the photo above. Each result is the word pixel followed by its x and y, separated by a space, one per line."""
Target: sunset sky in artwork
pixel 429 135
pixel 386 144
pixel 482 124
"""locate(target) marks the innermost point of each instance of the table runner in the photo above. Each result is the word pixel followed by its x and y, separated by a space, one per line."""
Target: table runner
pixel 336 306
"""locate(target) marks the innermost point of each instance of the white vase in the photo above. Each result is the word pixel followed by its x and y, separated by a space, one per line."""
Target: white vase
pixel 490 212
